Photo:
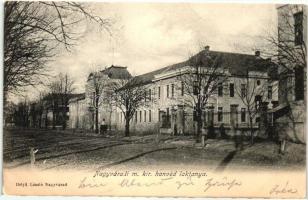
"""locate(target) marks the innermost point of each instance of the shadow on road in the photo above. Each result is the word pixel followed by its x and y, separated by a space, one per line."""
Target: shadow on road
pixel 223 164
pixel 66 154
pixel 134 157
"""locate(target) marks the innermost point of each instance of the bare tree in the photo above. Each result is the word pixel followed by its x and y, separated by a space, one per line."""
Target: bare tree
pixel 287 47
pixel 252 92
pixel 95 88
pixel 40 107
pixel 289 44
pixel 61 90
pixel 21 113
pixel 32 31
pixel 200 81
pixel 128 95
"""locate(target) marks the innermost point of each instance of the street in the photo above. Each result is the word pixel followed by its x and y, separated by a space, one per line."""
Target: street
pixel 67 150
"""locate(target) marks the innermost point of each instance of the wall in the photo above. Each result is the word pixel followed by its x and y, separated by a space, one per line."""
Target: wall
pixel 293 122
pixel 79 117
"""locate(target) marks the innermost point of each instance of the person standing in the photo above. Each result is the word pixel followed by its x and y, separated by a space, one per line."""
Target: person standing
pixel 103 127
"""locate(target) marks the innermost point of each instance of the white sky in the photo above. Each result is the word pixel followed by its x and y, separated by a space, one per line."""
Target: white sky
pixel 148 36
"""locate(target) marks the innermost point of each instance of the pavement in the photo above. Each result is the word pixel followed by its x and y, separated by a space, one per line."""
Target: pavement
pixel 87 151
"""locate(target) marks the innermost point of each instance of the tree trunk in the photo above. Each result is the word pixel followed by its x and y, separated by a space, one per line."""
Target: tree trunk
pixel 199 125
pixel 40 121
pixel 96 113
pixel 64 120
pixel 251 130
pixel 64 115
pixel 96 120
pixel 53 119
pixel 46 119
pixel 126 128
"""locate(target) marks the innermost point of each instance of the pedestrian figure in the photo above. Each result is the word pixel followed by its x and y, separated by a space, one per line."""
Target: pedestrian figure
pixel 222 131
pixel 32 156
pixel 282 138
pixel 241 145
pixel 211 132
pixel 103 127
pixel 238 138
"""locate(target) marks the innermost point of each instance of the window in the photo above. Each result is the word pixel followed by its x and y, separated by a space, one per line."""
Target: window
pixel 150 115
pixel 243 115
pixel 210 115
pixel 258 82
pixel 168 118
pixel 159 92
pixel 231 89
pixel 299 83
pixel 150 94
pixel 159 115
pixel 220 89
pixel 194 114
pixel 196 87
pixel 167 91
pixel 269 92
pixel 140 115
pixel 94 97
pixel 243 90
pixel 220 114
pixel 145 95
pixel 298 28
pixel 257 119
pixel 145 116
pixel 233 114
pixel 182 88
pixel 258 100
pixel 172 90
pixel 136 116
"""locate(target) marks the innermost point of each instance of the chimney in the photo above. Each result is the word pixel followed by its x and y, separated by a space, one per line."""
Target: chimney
pixel 207 48
pixel 257 53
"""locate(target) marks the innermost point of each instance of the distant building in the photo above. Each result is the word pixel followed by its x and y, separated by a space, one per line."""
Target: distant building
pixel 290 116
pixel 167 110
pixel 78 118
pixel 49 112
pixel 82 109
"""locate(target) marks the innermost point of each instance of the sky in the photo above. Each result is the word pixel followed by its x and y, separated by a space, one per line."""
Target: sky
pixel 148 36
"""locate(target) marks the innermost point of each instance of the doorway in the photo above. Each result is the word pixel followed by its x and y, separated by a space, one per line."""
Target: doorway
pixel 233 115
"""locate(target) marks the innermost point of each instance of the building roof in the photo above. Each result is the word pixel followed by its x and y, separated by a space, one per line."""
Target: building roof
pixel 117 72
pixel 237 64
pixel 77 97
pixel 58 96
pixel 114 72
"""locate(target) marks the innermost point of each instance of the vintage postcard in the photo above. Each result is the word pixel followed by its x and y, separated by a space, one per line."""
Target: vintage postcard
pixel 177 99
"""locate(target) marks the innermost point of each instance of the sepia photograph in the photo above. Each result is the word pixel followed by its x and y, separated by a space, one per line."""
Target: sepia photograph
pixel 154 99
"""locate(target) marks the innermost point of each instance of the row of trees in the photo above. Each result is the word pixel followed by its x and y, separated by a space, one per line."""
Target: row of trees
pixel 125 93
pixel 200 82
pixel 34 32
pixel 54 99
